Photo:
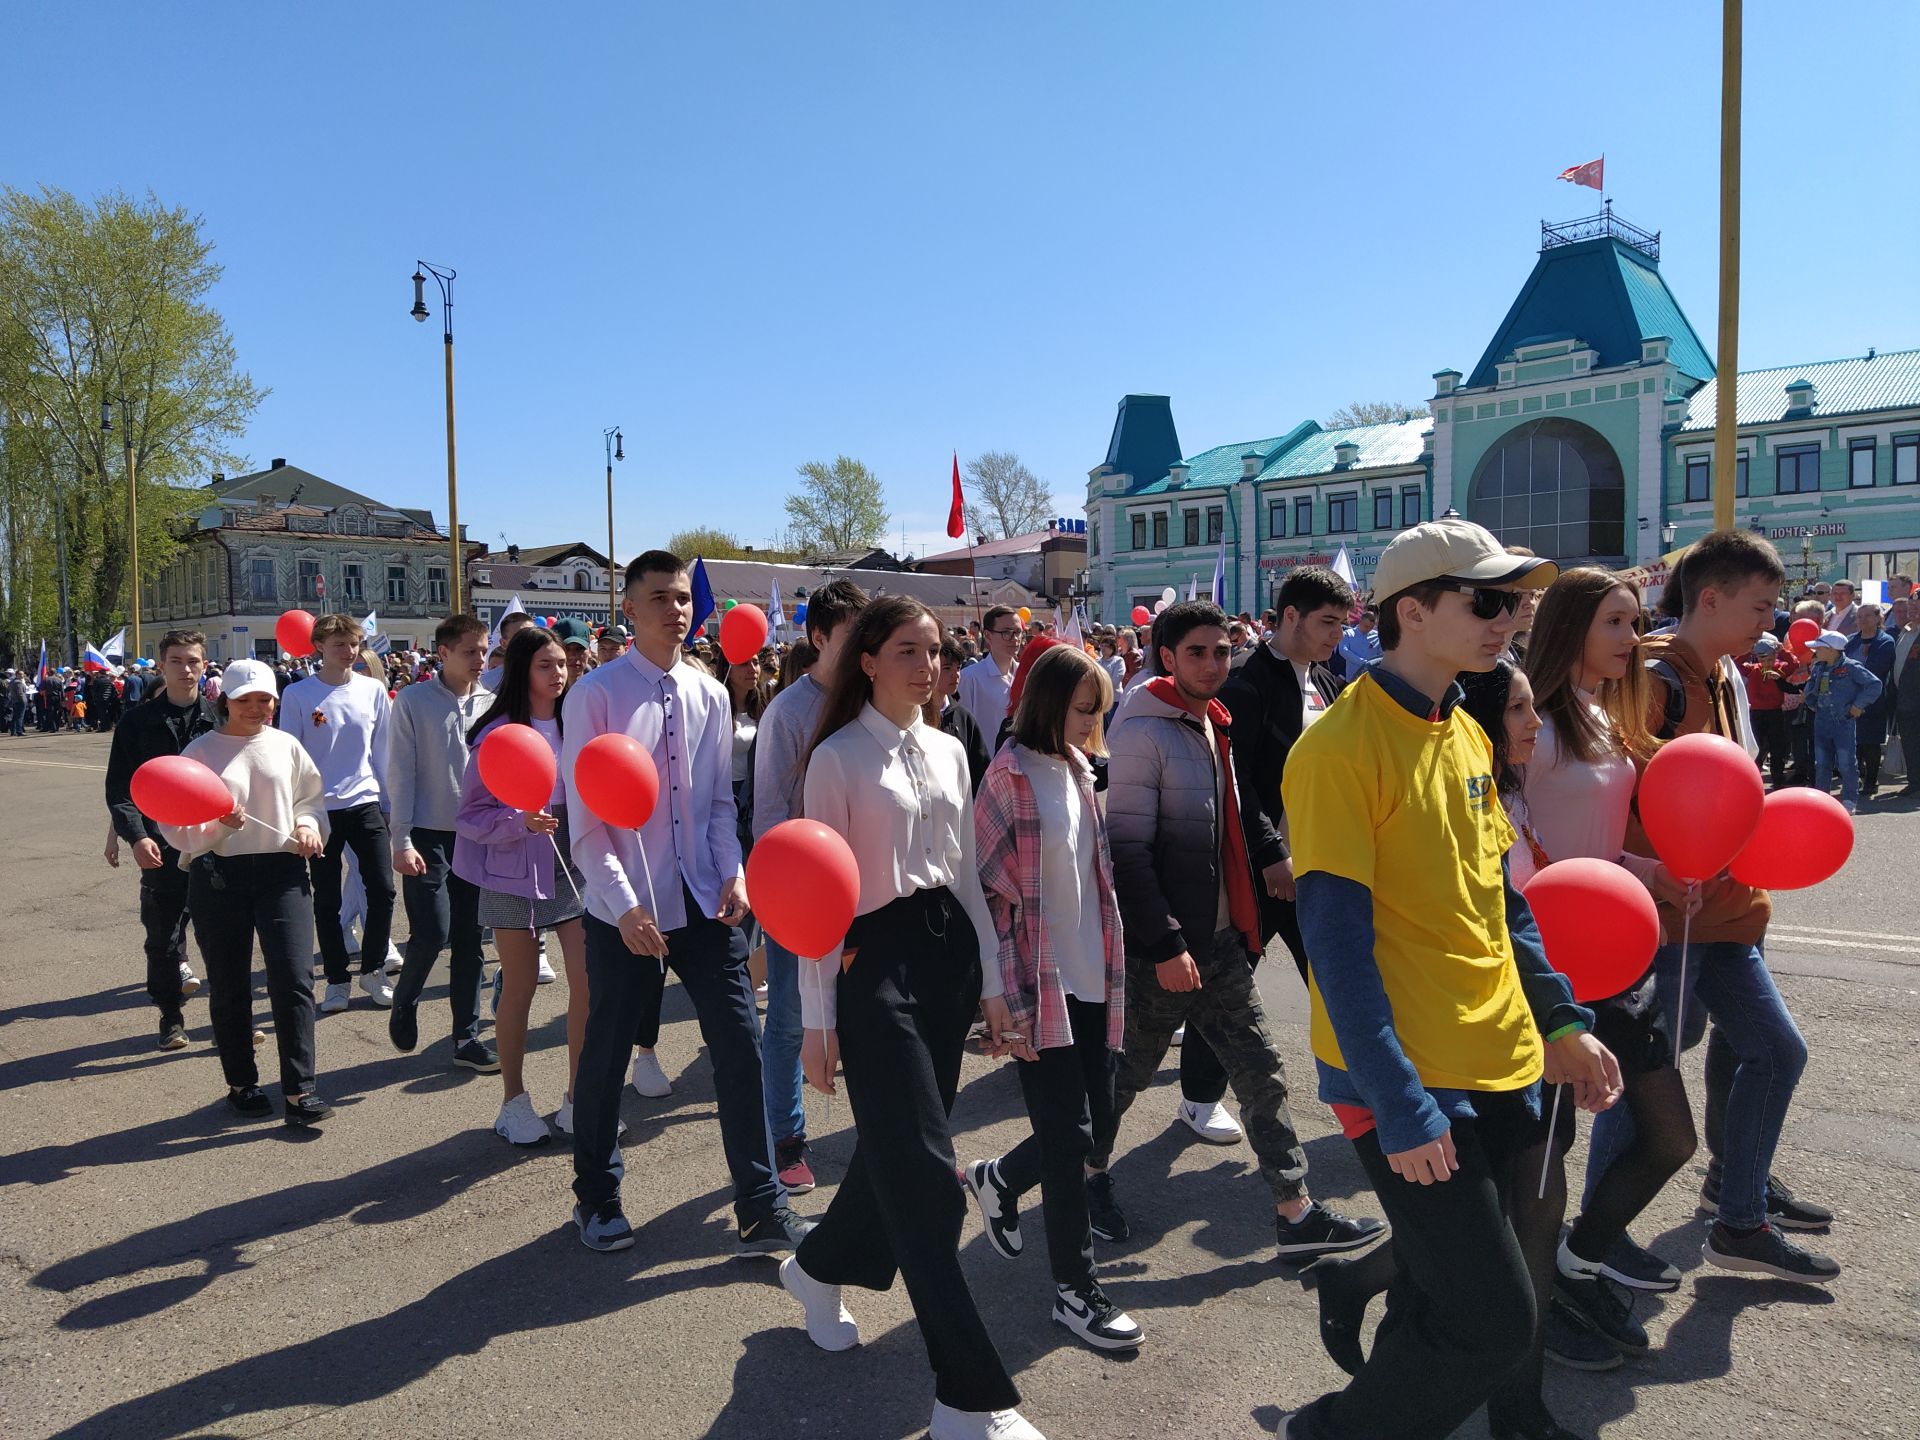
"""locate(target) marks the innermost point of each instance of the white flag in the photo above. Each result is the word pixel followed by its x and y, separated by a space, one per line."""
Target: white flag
pixel 375 641
pixel 116 644
pixel 1343 566
pixel 1193 587
pixel 1070 630
pixel 774 617
pixel 514 607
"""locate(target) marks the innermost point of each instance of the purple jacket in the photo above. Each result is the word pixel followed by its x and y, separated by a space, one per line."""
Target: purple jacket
pixel 492 847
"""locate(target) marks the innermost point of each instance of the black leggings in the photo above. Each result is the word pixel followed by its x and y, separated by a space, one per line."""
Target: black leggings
pixel 1663 1142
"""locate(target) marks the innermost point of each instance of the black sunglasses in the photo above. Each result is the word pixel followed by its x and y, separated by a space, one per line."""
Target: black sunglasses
pixel 1488 604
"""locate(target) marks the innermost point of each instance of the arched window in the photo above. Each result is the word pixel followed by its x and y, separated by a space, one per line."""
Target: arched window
pixel 579 579
pixel 1554 486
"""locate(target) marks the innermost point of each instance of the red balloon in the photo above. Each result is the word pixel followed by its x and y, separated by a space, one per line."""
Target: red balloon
pixel 743 630
pixel 294 631
pixel 1700 801
pixel 1804 837
pixel 518 766
pixel 804 886
pixel 1141 615
pixel 1803 632
pixel 616 780
pixel 173 790
pixel 1598 924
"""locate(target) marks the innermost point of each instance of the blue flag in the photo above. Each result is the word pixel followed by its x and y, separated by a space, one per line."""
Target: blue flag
pixel 702 594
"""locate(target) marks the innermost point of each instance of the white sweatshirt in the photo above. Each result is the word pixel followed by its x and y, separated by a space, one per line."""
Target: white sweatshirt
pixel 344 729
pixel 274 781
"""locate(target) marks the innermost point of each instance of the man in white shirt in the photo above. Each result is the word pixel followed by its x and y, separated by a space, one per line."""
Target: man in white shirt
pixel 340 719
pixel 1360 646
pixel 985 686
pixel 1843 615
pixel 510 626
pixel 779 769
pixel 665 894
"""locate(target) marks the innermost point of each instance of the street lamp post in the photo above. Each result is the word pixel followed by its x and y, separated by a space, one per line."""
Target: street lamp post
pixel 419 312
pixel 1667 531
pixel 133 517
pixel 614 452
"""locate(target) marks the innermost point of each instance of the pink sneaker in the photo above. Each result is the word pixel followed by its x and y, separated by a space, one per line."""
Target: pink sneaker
pixel 790 1160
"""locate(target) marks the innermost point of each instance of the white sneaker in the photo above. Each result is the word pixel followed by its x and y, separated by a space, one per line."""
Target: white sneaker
pixel 189 982
pixel 544 974
pixel 336 999
pixel 1211 1123
pixel 395 960
pixel 828 1324
pixel 951 1424
pixel 518 1124
pixel 377 988
pixel 563 1120
pixel 648 1078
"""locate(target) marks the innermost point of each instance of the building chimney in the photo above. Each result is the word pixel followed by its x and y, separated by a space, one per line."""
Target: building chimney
pixel 1251 464
pixel 219 477
pixel 981 540
pixel 513 553
pixel 279 463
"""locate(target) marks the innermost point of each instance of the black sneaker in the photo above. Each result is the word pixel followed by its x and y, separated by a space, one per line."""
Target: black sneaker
pixel 307 1110
pixel 1088 1313
pixel 1624 1263
pixel 1785 1210
pixel 1607 1307
pixel 1104 1215
pixel 472 1055
pixel 779 1229
pixel 173 1034
pixel 403 1027
pixel 1571 1340
pixel 248 1100
pixel 1766 1252
pixel 1322 1231
pixel 604 1229
pixel 999 1208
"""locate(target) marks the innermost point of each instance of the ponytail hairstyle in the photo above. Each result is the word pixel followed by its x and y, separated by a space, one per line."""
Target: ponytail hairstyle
pixel 848 686
pixel 512 702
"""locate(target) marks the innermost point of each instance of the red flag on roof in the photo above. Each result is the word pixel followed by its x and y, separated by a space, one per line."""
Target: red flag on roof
pixel 956 513
pixel 1592 174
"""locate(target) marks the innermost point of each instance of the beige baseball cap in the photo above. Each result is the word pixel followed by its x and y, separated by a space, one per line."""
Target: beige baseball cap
pixel 1458 550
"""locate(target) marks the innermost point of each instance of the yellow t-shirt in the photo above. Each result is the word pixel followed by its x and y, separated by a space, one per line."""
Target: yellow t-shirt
pixel 1406 807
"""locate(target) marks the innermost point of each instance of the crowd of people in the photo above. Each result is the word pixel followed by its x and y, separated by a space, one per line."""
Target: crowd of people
pixel 1073 849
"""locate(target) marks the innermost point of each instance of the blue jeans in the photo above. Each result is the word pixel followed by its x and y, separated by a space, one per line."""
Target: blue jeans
pixel 1836 742
pixel 1733 982
pixel 780 1039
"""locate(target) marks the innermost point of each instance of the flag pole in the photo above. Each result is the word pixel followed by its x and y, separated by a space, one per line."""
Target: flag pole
pixel 1727 362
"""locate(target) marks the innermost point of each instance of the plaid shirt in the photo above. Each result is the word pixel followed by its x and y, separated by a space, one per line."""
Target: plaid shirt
pixel 1007 843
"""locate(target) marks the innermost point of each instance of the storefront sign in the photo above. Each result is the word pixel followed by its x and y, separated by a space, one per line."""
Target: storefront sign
pixel 1796 532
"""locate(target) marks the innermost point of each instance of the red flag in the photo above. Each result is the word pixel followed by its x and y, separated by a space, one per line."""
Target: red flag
pixel 956 515
pixel 1592 174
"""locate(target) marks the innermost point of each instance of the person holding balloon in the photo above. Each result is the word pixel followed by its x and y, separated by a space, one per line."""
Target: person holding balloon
pixel 894 1000
pixel 248 880
pixel 511 844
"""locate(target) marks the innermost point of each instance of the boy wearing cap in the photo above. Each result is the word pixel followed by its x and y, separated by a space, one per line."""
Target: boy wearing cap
pixel 1435 1012
pixel 1839 690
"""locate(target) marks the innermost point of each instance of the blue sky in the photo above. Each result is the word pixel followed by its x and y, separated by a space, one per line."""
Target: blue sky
pixel 758 234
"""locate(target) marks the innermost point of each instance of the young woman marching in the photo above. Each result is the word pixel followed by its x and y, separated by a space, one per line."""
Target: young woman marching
pixel 1048 879
pixel 895 1003
pixel 248 878
pixel 510 855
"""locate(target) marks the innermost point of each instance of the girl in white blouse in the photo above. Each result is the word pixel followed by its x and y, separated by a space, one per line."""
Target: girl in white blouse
pixel 247 877
pixel 895 1003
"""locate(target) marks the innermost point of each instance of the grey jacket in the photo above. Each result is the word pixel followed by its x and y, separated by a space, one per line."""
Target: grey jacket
pixel 1163 823
pixel 427 755
pixel 779 750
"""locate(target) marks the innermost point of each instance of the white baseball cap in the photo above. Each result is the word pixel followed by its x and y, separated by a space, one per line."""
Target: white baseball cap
pixel 248 677
pixel 1455 549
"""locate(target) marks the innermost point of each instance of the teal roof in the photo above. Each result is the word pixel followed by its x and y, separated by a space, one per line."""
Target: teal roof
pixel 1606 292
pixel 1397 443
pixel 1221 465
pixel 1842 387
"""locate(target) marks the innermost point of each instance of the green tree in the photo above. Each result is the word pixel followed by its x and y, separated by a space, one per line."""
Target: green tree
pixel 838 507
pixel 1006 496
pixel 108 301
pixel 1374 412
pixel 706 542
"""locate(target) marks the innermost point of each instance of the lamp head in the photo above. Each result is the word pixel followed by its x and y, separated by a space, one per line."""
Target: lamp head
pixel 106 417
pixel 619 451
pixel 419 311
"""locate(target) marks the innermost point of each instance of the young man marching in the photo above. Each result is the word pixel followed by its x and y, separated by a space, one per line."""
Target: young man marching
pixel 340 719
pixel 426 758
pixel 161 725
pixel 665 894
pixel 1430 991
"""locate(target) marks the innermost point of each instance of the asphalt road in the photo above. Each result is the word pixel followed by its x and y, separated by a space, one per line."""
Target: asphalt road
pixel 167 1271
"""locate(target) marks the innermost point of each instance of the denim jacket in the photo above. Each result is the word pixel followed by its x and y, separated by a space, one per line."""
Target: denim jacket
pixel 492 847
pixel 1832 690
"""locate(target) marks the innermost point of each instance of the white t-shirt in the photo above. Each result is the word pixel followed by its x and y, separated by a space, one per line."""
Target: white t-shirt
pixel 549 731
pixel 344 729
pixel 1069 888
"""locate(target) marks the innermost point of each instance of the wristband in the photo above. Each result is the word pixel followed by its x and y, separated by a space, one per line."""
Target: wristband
pixel 1565 1030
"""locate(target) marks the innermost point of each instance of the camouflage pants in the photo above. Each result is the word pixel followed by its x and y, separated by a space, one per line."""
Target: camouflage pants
pixel 1227 1012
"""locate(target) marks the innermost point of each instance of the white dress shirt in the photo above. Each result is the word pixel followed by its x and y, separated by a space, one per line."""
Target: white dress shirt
pixel 984 690
pixel 903 800
pixel 685 720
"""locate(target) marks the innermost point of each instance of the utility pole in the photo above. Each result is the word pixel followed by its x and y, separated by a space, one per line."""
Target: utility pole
pixel 1727 363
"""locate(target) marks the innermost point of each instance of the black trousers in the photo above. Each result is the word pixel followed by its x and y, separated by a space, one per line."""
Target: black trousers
pixel 163 915
pixel 905 1003
pixel 1461 1313
pixel 1069 1094
pixel 1869 741
pixel 1774 734
pixel 618 982
pixel 1909 726
pixel 442 910
pixel 1800 733
pixel 233 900
pixel 1203 1079
pixel 364 827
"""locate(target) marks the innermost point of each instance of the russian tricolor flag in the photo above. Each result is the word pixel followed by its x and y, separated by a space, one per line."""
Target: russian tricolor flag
pixel 92 659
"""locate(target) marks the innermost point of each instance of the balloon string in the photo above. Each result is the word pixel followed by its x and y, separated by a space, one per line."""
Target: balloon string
pixel 653 905
pixel 1686 933
pixel 1546 1161
pixel 560 864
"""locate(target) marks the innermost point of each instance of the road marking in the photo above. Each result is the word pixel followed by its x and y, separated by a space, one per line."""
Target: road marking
pixel 1798 933
pixel 1789 942
pixel 52 764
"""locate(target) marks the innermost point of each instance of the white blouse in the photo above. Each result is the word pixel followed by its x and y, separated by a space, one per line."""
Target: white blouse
pixel 1069 888
pixel 903 800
